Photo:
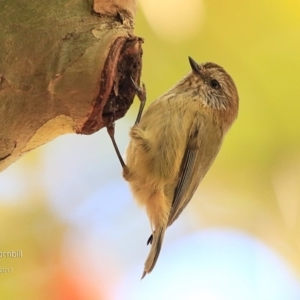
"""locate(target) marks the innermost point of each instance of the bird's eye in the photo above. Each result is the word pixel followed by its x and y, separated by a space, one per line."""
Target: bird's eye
pixel 215 84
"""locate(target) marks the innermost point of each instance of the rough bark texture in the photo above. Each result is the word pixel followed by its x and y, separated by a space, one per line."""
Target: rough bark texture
pixel 65 66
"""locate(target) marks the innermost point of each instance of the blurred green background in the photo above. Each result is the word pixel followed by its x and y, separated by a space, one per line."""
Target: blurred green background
pixel 82 237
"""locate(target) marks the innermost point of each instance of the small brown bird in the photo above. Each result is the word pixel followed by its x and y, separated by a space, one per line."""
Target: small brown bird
pixel 174 143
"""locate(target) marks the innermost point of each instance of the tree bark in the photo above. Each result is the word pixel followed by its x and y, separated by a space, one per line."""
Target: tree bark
pixel 65 66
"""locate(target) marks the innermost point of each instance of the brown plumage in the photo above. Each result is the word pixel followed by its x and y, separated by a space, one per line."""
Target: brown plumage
pixel 174 144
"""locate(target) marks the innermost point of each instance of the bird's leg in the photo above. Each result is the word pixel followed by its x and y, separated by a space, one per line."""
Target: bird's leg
pixel 149 241
pixel 141 93
pixel 111 132
pixel 111 128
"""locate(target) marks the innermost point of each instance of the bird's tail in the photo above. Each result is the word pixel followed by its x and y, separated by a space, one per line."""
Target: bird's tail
pixel 156 240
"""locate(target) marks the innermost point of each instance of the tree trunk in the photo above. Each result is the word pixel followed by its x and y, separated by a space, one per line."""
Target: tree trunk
pixel 65 66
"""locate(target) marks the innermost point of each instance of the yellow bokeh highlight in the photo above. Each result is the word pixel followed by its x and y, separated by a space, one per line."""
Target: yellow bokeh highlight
pixel 174 20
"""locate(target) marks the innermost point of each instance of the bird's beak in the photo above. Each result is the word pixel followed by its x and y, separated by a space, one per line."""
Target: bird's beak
pixel 195 67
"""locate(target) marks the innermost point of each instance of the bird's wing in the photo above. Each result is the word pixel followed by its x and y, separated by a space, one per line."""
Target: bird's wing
pixel 190 173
